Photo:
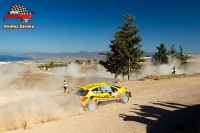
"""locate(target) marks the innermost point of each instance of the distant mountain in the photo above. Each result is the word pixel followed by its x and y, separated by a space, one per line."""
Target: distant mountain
pixel 80 54
pixel 148 54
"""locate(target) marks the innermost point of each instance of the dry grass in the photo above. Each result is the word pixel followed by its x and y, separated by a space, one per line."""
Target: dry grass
pixel 169 76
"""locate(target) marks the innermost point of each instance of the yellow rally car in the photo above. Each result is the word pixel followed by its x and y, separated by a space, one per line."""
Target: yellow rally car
pixel 95 94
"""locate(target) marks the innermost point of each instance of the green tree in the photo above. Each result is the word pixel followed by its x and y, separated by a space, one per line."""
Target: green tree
pixel 40 66
pixel 88 61
pixel 181 57
pixel 173 52
pixel 112 64
pixel 161 56
pixel 78 62
pixel 125 53
pixel 95 61
pixel 51 64
pixel 47 66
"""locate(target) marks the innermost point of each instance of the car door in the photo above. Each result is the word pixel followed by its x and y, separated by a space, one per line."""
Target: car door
pixel 106 95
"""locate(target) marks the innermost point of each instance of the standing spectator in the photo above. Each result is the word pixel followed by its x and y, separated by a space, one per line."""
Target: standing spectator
pixel 174 70
pixel 65 85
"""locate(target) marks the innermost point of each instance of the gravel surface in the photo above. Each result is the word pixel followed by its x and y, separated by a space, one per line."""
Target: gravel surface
pixel 156 106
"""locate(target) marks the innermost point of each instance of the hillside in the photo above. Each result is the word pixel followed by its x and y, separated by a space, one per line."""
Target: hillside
pixel 80 54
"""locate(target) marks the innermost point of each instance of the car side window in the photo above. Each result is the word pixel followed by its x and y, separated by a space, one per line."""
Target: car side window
pixel 96 90
pixel 106 89
pixel 113 89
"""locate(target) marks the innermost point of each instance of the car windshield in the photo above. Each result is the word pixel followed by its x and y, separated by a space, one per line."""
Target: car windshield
pixel 82 92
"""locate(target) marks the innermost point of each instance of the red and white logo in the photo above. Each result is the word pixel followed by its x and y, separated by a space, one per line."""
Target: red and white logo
pixel 19 12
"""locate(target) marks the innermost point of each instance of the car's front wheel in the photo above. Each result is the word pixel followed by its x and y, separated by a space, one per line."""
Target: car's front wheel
pixel 124 98
pixel 92 105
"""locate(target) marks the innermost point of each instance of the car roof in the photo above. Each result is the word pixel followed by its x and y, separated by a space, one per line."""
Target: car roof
pixel 94 85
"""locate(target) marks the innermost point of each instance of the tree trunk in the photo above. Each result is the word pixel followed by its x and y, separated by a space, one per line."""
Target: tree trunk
pixel 116 78
pixel 129 69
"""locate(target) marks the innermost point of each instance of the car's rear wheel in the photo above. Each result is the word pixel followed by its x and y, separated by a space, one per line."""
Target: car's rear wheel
pixel 92 105
pixel 124 98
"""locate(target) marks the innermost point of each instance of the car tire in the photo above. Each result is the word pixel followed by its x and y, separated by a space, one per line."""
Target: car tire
pixel 92 105
pixel 124 98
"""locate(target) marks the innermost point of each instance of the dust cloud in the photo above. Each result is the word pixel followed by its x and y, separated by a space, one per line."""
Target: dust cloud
pixel 37 109
pixel 73 70
pixel 99 73
pixel 11 71
pixel 27 100
pixel 189 68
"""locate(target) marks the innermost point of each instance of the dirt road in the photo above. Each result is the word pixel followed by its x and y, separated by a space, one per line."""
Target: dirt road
pixel 156 106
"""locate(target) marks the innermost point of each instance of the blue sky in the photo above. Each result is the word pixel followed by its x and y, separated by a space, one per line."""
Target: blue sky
pixel 89 25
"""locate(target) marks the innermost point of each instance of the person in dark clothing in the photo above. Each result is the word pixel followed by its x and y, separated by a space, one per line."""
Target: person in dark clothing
pixel 65 85
pixel 174 70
